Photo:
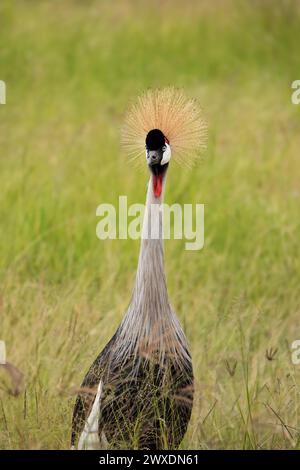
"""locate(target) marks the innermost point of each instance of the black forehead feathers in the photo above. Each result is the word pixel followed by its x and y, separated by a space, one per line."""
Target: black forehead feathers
pixel 155 139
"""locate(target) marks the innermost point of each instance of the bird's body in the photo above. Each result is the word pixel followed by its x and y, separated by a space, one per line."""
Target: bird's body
pixel 138 393
pixel 145 370
pixel 149 410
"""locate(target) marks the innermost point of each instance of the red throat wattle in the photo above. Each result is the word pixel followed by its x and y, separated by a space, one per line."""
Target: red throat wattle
pixel 157 184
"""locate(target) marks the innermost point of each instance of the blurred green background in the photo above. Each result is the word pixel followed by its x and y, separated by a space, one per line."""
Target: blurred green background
pixel 71 69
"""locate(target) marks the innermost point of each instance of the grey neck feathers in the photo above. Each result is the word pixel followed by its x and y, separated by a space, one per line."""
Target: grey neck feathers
pixel 150 286
pixel 150 328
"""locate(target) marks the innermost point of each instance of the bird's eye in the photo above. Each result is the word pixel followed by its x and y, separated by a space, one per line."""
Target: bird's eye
pixel 164 148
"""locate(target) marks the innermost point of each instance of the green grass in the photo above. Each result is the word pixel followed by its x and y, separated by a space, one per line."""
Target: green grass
pixel 71 68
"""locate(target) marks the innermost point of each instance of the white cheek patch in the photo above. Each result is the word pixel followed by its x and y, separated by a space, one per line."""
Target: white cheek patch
pixel 166 155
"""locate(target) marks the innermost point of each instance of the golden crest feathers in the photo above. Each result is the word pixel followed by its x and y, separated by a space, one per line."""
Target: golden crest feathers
pixel 179 118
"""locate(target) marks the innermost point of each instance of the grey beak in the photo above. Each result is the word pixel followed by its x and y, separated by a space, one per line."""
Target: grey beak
pixel 153 157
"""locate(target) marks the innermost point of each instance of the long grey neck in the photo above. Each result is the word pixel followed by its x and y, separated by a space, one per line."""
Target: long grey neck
pixel 149 325
pixel 150 285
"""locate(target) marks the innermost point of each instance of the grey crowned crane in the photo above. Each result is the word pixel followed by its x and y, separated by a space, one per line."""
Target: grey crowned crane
pixel 138 393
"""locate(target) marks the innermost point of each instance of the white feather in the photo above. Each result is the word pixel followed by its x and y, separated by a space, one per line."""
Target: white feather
pixel 89 439
pixel 2 353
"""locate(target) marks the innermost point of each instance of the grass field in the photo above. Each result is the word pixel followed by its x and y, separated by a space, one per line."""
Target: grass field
pixel 71 68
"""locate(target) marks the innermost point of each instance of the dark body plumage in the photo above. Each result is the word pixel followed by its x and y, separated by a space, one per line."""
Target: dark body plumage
pixel 148 409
